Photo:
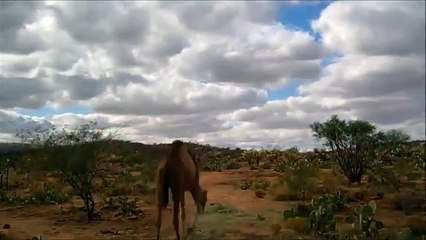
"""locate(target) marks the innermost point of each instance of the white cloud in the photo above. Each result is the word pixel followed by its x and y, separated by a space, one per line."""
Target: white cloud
pixel 200 71
pixel 373 28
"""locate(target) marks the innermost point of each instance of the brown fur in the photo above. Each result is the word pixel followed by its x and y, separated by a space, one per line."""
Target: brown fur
pixel 180 173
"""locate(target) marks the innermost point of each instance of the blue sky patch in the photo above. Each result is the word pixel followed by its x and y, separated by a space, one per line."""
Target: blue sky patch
pixel 300 15
pixel 48 111
pixel 284 92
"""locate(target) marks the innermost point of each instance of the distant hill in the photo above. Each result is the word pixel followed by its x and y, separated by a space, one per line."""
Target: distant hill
pixel 120 147
pixel 125 147
pixel 13 147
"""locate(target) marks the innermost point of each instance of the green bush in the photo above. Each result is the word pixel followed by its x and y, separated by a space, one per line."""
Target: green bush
pixel 48 195
pixel 213 165
pixel 231 164
pixel 266 165
pixel 390 179
pixel 300 178
pixel 219 208
pixel 262 185
pixel 297 210
pixel 123 206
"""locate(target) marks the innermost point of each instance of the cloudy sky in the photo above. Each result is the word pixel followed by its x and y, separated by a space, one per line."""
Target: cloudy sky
pixel 244 74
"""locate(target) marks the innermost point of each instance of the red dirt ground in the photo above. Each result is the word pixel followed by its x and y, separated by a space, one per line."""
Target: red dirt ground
pixel 53 221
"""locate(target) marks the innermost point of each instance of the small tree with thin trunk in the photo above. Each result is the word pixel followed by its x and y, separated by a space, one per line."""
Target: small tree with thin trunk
pixel 354 144
pixel 78 157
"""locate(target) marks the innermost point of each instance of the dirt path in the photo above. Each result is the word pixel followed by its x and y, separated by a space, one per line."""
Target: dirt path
pixel 222 189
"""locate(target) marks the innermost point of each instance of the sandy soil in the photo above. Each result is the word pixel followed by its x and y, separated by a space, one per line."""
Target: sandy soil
pixel 57 222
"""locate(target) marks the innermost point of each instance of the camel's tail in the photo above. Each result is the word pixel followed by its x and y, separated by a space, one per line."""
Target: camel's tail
pixel 162 188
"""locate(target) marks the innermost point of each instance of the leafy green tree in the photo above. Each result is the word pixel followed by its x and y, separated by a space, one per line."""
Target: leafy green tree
pixel 78 157
pixel 354 144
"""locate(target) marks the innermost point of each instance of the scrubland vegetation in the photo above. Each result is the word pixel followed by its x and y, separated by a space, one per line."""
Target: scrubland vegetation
pixel 364 184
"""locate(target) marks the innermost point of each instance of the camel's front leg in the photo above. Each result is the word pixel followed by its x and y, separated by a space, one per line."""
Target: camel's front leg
pixel 159 213
pixel 196 196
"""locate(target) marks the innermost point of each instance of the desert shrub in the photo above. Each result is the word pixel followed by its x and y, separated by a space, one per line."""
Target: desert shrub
pixel 300 178
pixel 219 208
pixel 297 210
pixel 252 157
pixel 280 192
pixel 217 161
pixel 410 203
pixel 143 188
pixel 266 165
pixel 78 156
pixel 330 183
pixel 418 156
pixel 231 164
pixel 253 167
pixel 48 195
pixel 246 184
pixel 213 165
pixel 405 234
pixel 390 179
pixel 132 159
pixel 126 177
pixel 260 217
pixel 273 155
pixel 122 205
pixel 280 165
pixel 253 185
pixel 117 189
pixel 299 225
pixel 289 160
pixel 363 222
pixel 147 176
pixel 261 185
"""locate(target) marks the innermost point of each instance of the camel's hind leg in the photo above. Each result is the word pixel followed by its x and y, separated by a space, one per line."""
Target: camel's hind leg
pixel 182 205
pixel 159 213
pixel 176 218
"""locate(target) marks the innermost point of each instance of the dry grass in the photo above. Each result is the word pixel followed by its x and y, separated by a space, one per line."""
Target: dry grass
pixel 282 193
pixel 298 224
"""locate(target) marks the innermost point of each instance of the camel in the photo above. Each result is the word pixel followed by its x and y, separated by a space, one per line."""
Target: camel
pixel 179 171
